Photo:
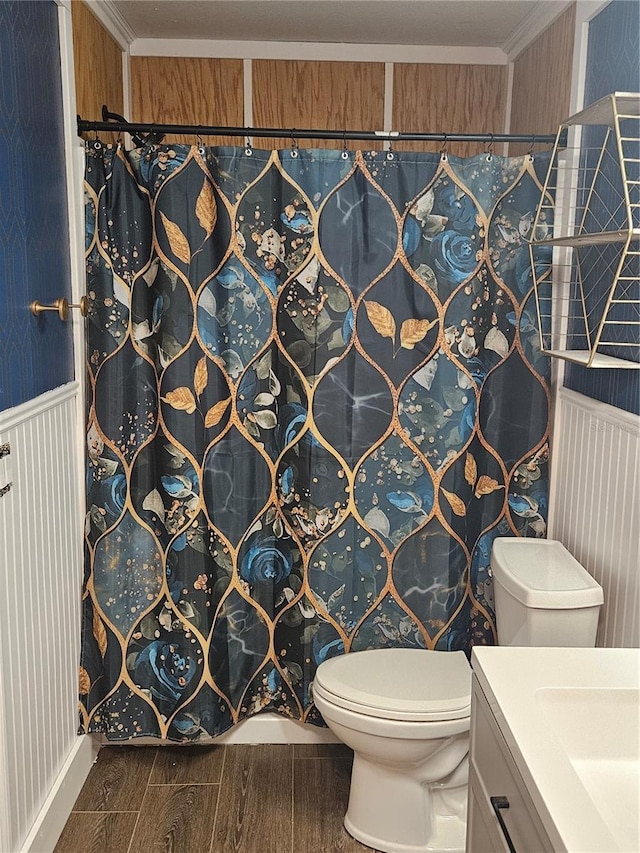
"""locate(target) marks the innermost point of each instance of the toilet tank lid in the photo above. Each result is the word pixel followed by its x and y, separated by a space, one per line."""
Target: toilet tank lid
pixel 541 573
pixel 404 684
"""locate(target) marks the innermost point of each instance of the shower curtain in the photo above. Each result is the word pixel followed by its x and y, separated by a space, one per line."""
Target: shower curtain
pixel 315 397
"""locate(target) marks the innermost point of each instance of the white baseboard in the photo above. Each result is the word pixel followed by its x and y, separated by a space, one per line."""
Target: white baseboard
pixel 273 728
pixel 264 728
pixel 55 812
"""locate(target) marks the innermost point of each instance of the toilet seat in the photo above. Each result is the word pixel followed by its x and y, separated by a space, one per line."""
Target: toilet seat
pixel 411 685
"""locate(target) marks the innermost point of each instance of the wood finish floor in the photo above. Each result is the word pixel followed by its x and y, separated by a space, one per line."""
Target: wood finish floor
pixel 214 799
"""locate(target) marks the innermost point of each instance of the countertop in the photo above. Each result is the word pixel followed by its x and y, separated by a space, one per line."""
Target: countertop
pixel 517 682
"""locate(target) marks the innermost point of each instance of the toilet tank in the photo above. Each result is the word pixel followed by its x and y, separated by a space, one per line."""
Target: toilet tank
pixel 543 596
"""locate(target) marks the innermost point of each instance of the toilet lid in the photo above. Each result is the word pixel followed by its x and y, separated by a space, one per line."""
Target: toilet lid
pixel 399 684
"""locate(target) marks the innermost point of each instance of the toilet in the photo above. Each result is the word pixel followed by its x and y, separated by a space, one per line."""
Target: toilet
pixel 406 712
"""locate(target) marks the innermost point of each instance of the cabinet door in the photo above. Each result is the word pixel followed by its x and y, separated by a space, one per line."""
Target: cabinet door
pixel 497 775
pixel 481 834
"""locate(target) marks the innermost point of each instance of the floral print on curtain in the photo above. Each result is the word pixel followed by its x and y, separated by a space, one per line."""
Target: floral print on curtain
pixel 315 397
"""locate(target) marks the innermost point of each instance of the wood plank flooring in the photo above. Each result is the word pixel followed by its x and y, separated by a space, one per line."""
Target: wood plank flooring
pixel 214 799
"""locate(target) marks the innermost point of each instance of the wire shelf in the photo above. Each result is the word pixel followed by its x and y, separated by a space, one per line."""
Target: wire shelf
pixel 586 266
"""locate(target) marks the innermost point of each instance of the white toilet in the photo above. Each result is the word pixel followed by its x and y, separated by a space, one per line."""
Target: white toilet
pixel 406 712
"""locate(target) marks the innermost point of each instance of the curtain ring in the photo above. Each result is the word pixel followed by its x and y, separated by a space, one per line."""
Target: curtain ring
pixel 490 148
pixel 248 149
pixel 443 149
pixel 345 150
pixel 294 144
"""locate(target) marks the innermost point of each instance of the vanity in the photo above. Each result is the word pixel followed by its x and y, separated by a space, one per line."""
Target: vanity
pixel 555 750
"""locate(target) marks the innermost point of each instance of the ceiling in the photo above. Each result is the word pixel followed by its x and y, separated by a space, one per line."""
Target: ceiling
pixel 486 23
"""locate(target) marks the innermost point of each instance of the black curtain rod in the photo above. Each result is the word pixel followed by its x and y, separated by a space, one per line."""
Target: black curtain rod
pixel 309 133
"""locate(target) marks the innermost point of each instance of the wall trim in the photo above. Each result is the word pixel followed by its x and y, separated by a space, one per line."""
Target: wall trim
pixel 586 10
pixel 263 728
pixel 626 421
pixel 55 812
pixel 535 23
pixel 10 418
pixel 74 166
pixel 126 89
pixel 109 16
pixel 508 105
pixel 329 51
pixel 388 102
pixel 247 88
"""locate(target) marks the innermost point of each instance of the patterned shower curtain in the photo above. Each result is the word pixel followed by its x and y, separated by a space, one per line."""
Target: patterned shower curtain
pixel 315 397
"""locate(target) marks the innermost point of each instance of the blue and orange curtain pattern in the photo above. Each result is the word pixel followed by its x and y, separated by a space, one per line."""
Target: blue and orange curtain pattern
pixel 315 397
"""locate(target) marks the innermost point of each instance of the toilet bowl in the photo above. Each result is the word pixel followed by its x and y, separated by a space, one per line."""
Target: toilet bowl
pixel 406 712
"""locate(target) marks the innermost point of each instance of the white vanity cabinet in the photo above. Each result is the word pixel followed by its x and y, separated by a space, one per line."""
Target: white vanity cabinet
pixel 555 737
pixel 501 816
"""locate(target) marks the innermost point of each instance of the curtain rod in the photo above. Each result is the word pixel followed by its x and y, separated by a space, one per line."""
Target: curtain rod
pixel 309 133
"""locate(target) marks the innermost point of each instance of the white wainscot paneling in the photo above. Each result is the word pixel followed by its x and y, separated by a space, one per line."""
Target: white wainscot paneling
pixel 40 564
pixel 595 508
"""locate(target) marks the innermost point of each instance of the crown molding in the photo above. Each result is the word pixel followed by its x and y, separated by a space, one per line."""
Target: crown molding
pixel 318 51
pixel 109 16
pixel 533 25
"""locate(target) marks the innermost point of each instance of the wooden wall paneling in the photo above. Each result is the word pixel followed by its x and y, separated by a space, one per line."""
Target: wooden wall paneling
pixel 184 90
pixel 542 80
pixel 431 98
pixel 97 65
pixel 318 94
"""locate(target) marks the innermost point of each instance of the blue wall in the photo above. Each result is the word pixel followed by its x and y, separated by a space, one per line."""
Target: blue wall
pixel 613 65
pixel 35 354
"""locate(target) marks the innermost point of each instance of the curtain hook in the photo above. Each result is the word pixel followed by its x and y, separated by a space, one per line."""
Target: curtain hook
pixel 200 144
pixel 530 151
pixel 345 150
pixel 390 154
pixel 443 150
pixel 294 144
pixel 490 148
pixel 248 150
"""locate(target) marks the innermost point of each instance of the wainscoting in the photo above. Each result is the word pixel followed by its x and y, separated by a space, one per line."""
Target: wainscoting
pixel 40 560
pixel 595 500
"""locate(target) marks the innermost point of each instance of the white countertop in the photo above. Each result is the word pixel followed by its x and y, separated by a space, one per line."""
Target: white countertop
pixel 517 683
